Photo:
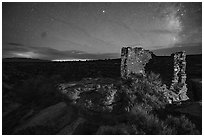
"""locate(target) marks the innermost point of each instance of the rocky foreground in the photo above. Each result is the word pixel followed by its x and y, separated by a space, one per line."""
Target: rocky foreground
pixel 62 119
pixel 108 106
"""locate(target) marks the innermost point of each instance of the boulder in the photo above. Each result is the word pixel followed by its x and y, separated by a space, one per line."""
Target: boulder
pixel 96 95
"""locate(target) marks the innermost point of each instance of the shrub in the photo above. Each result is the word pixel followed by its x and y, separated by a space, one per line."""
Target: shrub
pixel 146 122
pixel 38 91
pixel 38 130
pixel 140 121
pixel 145 90
pixel 181 125
pixel 121 129
pixel 150 124
pixel 145 94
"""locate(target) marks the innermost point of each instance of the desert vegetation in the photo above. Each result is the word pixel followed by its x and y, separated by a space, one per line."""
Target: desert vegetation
pixel 97 105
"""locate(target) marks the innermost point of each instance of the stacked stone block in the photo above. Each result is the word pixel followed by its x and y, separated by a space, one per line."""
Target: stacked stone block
pixel 179 78
pixel 133 60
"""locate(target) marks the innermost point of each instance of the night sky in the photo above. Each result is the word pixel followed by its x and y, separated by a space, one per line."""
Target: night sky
pixel 99 30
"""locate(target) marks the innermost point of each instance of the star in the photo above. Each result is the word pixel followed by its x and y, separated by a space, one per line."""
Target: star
pixel 26 29
pixel 51 19
pixel 99 27
pixel 174 38
pixel 32 10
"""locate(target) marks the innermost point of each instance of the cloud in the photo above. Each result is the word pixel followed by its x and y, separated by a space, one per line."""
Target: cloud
pixel 15 44
pixel 71 25
pixel 91 40
pixel 53 54
pixel 76 44
pixel 119 23
pixel 12 46
pixel 161 31
pixel 190 48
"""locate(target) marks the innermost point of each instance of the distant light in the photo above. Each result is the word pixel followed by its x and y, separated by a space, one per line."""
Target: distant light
pixel 71 59
pixel 103 11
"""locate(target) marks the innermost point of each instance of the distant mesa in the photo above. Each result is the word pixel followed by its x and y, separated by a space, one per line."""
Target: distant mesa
pixel 23 60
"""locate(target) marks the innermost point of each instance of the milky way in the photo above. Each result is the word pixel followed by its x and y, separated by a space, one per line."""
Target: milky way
pixel 98 30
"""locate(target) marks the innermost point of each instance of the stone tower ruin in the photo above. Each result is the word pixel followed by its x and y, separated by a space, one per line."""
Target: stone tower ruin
pixel 179 85
pixel 133 60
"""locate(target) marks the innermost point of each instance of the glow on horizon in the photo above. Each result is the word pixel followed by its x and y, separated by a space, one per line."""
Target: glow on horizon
pixel 29 54
pixel 71 60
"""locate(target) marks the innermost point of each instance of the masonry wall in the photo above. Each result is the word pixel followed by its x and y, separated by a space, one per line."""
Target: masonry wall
pixel 162 65
pixel 133 60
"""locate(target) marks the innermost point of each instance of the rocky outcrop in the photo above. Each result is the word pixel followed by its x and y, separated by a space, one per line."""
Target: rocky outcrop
pixel 95 95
